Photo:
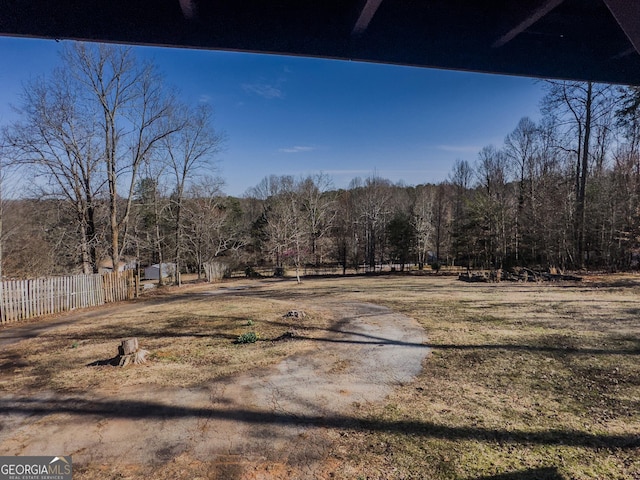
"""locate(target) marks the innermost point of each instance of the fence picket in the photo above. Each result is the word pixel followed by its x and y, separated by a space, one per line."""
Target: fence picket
pixel 14 310
pixel 56 296
pixel 34 290
pixel 7 303
pixel 67 294
pixel 23 299
pixel 80 291
pixel 2 314
pixel 10 300
pixel 45 296
pixel 84 284
pixel 19 300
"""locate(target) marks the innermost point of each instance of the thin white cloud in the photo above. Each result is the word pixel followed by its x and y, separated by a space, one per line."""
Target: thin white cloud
pixel 459 148
pixel 204 98
pixel 296 149
pixel 263 90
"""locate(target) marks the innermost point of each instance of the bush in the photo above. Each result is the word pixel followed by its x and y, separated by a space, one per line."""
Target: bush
pixel 250 272
pixel 249 337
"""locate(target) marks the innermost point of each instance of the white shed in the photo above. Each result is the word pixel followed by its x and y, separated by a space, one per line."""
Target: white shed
pixel 153 272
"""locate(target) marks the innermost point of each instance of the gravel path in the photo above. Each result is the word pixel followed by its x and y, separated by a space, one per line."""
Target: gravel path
pixel 272 423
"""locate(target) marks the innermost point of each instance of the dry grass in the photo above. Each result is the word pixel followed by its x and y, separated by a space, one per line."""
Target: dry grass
pixel 523 382
pixel 193 331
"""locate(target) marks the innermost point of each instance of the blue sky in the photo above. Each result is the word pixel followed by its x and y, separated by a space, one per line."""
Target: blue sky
pixel 291 115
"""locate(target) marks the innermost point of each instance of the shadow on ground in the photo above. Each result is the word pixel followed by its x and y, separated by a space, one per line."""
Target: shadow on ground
pixel 550 473
pixel 131 409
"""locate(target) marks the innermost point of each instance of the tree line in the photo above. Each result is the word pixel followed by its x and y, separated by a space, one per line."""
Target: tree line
pixel 85 136
pixel 124 170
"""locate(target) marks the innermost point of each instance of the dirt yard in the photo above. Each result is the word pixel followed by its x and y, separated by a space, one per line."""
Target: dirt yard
pixel 235 413
pixel 385 377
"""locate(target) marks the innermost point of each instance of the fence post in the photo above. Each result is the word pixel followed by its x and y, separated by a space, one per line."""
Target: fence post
pixel 1 302
pixel 11 311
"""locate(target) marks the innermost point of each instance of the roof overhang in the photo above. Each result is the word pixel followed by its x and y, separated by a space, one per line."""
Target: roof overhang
pixel 596 40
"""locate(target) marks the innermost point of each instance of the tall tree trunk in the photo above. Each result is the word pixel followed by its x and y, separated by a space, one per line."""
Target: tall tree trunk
pixel 178 238
pixel 1 232
pixel 84 252
pixel 158 239
pixel 110 151
pixel 438 231
pixel 91 239
pixel 115 233
pixel 580 210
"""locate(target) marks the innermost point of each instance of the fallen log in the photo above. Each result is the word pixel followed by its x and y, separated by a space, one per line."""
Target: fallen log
pixel 518 275
pixel 473 278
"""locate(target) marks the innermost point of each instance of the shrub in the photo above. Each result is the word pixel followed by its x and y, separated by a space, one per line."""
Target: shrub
pixel 249 337
pixel 250 272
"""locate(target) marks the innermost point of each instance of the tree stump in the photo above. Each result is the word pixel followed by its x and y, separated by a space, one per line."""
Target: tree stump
pixel 129 352
pixel 128 346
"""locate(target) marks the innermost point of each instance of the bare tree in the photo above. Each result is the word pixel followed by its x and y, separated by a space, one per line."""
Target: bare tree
pixel 293 218
pixel 318 205
pixel 545 222
pixel 151 213
pixel 3 174
pixel 442 219
pixel 56 139
pixel 345 231
pixel 283 219
pixel 423 221
pixel 372 201
pixel 579 106
pixel 213 222
pixel 191 148
pixel 492 201
pixel 130 113
pixel 520 146
pixel 39 237
pixel 460 179
pixel 275 217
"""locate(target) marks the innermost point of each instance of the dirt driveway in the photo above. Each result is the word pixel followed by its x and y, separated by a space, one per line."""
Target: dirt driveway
pixel 272 423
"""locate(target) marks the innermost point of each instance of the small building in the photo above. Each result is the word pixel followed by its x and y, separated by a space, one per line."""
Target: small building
pixel 152 272
pixel 106 265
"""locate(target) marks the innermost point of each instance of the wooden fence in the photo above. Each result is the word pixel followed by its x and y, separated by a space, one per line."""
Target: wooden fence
pixel 22 299
pixel 214 271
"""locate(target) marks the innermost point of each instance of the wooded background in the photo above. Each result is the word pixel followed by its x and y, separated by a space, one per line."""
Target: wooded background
pixel 122 170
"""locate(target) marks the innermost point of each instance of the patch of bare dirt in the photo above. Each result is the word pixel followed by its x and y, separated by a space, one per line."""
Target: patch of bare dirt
pixel 269 423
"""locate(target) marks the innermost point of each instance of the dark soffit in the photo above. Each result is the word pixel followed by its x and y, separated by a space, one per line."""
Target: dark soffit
pixel 595 40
